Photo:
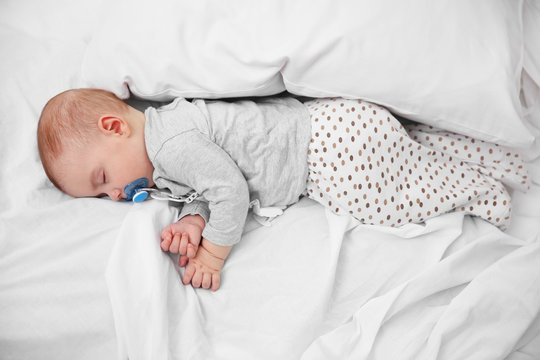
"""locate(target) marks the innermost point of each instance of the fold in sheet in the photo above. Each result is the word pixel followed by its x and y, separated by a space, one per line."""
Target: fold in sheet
pixel 141 281
pixel 475 303
pixel 319 286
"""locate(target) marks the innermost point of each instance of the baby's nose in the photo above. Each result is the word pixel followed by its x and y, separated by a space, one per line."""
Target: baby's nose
pixel 116 194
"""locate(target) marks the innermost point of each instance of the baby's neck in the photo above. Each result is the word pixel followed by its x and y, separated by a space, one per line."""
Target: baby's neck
pixel 137 117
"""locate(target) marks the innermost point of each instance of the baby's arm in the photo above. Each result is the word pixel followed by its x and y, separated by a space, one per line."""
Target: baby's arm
pixel 203 166
pixel 199 164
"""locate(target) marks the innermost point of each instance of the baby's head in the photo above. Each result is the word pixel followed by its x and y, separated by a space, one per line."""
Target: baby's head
pixel 91 143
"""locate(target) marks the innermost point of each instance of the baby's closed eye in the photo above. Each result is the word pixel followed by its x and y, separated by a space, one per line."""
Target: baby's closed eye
pixel 102 177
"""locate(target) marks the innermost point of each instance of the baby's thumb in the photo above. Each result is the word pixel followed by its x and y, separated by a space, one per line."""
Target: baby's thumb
pixel 183 260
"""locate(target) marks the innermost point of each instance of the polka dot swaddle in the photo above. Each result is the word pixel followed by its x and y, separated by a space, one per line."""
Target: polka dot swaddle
pixel 362 161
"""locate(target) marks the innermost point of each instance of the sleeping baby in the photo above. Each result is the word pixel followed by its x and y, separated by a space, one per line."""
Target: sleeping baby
pixel 351 156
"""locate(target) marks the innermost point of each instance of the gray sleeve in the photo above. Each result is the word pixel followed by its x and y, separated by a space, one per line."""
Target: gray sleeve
pixel 193 160
pixel 196 207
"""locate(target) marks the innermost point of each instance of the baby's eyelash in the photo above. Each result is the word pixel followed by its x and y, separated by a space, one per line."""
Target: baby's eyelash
pixel 102 177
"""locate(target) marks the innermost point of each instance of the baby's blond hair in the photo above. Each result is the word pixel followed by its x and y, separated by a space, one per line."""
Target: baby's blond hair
pixel 70 119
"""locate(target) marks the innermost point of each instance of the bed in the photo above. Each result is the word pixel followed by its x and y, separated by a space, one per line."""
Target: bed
pixel 86 279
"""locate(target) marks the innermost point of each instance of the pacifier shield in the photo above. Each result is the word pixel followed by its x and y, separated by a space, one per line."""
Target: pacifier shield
pixel 140 196
pixel 131 189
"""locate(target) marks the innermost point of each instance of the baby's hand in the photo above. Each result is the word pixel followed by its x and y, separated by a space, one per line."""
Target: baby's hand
pixel 205 268
pixel 183 237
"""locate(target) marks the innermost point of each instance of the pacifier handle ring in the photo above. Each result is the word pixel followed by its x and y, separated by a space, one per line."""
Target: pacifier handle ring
pixel 155 194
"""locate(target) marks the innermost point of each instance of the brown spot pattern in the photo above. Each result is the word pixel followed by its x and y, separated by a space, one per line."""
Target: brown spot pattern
pixel 388 175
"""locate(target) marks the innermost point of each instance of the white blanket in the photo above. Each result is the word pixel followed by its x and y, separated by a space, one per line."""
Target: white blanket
pixel 320 286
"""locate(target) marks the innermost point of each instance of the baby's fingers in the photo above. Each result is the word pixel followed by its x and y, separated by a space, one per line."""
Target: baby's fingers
pixel 206 280
pixel 184 240
pixel 175 244
pixel 191 250
pixel 183 260
pixel 166 239
pixel 216 280
pixel 188 274
pixel 197 279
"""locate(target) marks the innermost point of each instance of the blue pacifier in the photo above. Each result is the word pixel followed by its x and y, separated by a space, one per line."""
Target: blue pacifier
pixel 136 190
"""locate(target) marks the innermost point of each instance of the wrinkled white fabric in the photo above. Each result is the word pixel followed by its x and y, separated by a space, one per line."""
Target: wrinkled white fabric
pixel 320 286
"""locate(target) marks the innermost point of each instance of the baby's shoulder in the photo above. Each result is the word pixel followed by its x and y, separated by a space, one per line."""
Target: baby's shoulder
pixel 172 105
pixel 169 125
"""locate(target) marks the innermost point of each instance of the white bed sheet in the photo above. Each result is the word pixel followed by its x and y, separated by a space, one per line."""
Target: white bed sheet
pixel 85 279
pixel 320 286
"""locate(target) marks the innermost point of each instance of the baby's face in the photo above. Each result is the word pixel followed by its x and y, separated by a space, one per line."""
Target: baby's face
pixel 104 168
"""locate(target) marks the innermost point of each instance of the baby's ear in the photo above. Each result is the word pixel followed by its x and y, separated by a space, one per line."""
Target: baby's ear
pixel 112 125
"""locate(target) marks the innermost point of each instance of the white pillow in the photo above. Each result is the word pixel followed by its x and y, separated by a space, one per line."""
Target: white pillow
pixel 530 82
pixel 531 31
pixel 168 48
pixel 455 64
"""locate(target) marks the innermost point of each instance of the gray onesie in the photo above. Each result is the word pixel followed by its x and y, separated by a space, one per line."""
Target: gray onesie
pixel 231 153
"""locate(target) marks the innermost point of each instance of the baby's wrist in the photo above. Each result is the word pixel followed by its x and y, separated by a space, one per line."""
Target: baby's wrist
pixel 218 251
pixel 194 219
pixel 212 256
